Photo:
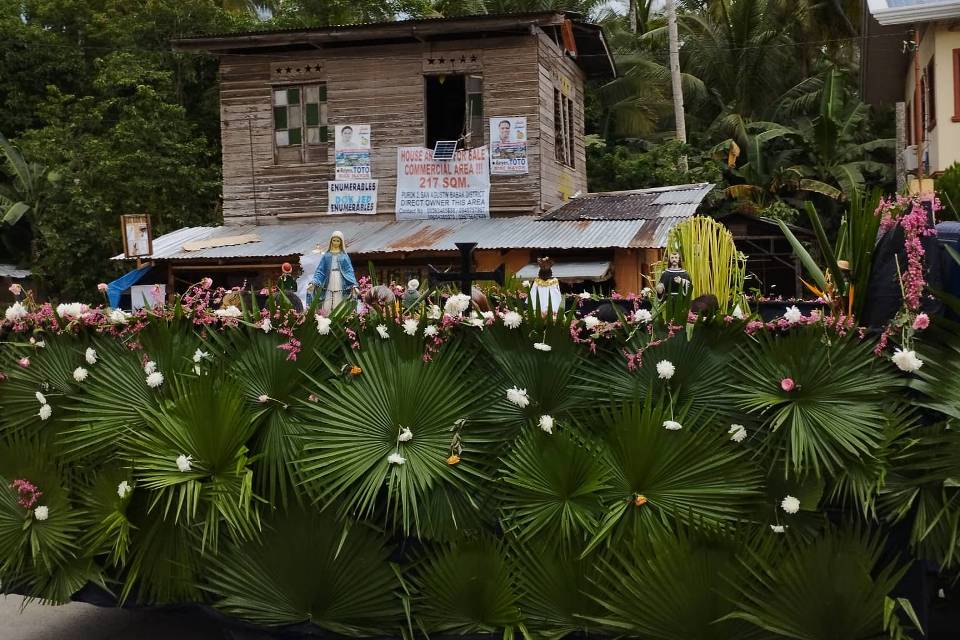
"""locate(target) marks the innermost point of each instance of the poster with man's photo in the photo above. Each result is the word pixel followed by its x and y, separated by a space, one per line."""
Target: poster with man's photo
pixel 508 146
pixel 352 145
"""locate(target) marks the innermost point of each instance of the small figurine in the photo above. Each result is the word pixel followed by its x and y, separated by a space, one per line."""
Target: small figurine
pixel 412 294
pixel 287 286
pixel 545 292
pixel 334 280
pixel 676 288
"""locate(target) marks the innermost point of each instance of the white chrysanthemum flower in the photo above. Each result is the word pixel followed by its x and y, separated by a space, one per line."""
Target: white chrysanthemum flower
pixel 542 346
pixel 266 325
pixel 512 319
pixel 40 343
pixel 41 513
pixel 525 284
pixel 906 360
pixel 430 330
pixel 476 321
pixel 396 458
pixel 777 528
pixel 665 369
pixel 45 412
pixel 155 379
pixel 410 326
pixel 738 433
pixel 149 367
pixel 40 398
pixel 124 489
pixel 71 310
pixel 434 312
pixel 790 504
pixel 231 311
pixel 16 312
pixel 584 295
pixel 672 425
pixel 456 304
pixel 80 374
pixel 487 315
pixel 199 355
pixel 323 324
pixel 118 316
pixel 382 330
pixel 645 292
pixel 738 313
pixel 518 397
pixel 263 398
pixel 405 435
pixel 183 463
pixel 546 424
pixel 792 314
pixel 91 356
pixel 591 322
pixel 642 316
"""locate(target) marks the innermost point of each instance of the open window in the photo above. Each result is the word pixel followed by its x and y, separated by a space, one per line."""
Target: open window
pixel 300 132
pixel 454 109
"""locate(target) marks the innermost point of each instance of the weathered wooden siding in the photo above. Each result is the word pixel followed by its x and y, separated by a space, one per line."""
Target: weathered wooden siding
pixel 382 86
pixel 558 182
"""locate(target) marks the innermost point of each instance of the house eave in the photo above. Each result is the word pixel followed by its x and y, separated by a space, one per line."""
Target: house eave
pixel 913 14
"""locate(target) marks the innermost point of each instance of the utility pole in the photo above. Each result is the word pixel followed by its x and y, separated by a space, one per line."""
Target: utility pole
pixel 675 78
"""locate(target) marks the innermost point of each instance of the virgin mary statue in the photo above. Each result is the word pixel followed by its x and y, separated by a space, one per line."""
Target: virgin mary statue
pixel 334 280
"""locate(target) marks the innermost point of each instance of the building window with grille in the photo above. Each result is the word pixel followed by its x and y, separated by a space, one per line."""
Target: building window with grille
pixel 300 132
pixel 563 128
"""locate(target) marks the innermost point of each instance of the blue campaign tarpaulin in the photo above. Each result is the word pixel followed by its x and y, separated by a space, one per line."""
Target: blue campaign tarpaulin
pixel 116 288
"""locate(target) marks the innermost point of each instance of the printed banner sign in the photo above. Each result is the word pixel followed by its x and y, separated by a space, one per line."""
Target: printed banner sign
pixel 352 144
pixel 352 196
pixel 442 189
pixel 508 141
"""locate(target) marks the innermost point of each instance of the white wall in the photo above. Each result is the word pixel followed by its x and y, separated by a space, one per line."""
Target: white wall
pixel 938 42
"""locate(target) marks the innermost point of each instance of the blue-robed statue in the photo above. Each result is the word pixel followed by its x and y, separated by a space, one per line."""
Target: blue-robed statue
pixel 334 280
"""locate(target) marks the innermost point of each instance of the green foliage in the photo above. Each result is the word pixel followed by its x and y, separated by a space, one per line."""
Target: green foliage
pixel 948 188
pixel 622 167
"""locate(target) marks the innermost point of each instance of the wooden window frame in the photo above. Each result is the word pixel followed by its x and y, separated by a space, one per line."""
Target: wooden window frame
pixel 476 138
pixel 956 86
pixel 564 129
pixel 930 80
pixel 307 151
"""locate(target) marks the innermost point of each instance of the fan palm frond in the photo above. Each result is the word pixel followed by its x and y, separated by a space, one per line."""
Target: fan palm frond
pixel 309 568
pixel 354 452
pixel 164 563
pixel 553 486
pixel 661 476
pixel 939 378
pixel 467 587
pixel 108 529
pixel 834 412
pixel 193 458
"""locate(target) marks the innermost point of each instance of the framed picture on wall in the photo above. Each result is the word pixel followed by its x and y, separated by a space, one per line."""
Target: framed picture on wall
pixel 137 235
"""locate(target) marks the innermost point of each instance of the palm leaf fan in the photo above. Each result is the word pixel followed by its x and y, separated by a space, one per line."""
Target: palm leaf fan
pixel 193 458
pixel 39 525
pixel 386 437
pixel 923 489
pixel 553 585
pixel 670 585
pixel 700 380
pixel 546 375
pixel 552 487
pixel 834 586
pixel 661 476
pixel 38 376
pixel 108 529
pixel 939 377
pixel 108 405
pixel 170 343
pixel 310 569
pixel 467 587
pixel 833 415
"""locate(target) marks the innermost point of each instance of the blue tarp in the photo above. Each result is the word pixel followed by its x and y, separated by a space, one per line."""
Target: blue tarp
pixel 116 288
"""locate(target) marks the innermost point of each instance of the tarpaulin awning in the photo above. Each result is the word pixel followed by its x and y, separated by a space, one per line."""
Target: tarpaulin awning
pixel 571 271
pixel 116 288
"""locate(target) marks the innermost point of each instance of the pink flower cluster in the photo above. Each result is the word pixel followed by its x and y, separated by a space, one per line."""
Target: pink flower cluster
pixel 27 493
pixel 911 215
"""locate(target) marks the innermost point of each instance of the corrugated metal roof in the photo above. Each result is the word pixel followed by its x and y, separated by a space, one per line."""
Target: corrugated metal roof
pixel 640 204
pixel 12 271
pixel 596 270
pixel 521 232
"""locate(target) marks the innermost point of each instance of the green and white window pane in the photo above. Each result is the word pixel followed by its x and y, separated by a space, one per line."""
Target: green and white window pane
pixel 283 138
pixel 313 114
pixel 294 117
pixel 279 117
pixel 323 113
pixel 293 96
pixel 296 136
pixel 323 92
pixel 311 94
pixel 324 133
pixel 280 98
pixel 313 135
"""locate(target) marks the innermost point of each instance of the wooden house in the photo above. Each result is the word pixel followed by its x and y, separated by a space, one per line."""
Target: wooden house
pixel 298 106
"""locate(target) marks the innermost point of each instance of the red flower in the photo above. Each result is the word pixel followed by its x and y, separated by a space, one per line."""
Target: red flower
pixel 787 384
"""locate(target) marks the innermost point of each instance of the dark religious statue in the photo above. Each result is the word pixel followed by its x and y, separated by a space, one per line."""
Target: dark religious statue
pixel 675 288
